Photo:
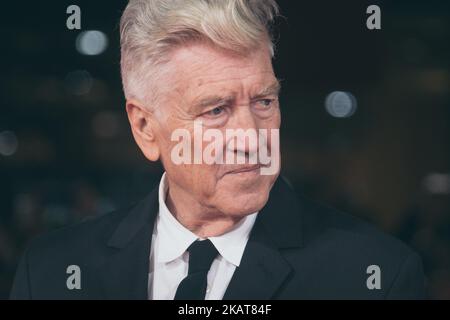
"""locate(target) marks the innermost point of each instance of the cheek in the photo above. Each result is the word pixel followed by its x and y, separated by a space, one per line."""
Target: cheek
pixel 271 128
pixel 276 121
pixel 204 178
pixel 197 179
pixel 202 182
pixel 273 122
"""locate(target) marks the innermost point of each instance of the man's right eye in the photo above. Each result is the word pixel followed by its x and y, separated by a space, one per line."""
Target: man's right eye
pixel 217 111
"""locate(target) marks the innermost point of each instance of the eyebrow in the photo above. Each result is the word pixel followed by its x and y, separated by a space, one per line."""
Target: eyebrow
pixel 212 100
pixel 273 89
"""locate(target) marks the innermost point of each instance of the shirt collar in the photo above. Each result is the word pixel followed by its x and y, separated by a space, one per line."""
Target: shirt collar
pixel 231 245
pixel 173 239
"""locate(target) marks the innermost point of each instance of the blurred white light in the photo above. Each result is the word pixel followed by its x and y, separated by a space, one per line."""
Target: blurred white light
pixel 437 183
pixel 8 143
pixel 78 82
pixel 91 43
pixel 340 104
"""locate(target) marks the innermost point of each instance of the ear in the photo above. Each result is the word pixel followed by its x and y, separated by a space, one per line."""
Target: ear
pixel 143 126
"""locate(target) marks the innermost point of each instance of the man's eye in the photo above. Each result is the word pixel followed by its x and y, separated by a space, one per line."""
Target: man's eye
pixel 215 112
pixel 265 102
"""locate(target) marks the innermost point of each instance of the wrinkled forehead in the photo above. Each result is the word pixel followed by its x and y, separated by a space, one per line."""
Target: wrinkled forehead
pixel 200 69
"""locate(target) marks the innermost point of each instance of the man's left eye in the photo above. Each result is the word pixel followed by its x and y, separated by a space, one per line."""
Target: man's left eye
pixel 265 102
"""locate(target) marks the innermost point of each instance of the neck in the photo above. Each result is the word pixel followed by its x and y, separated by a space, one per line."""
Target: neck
pixel 203 221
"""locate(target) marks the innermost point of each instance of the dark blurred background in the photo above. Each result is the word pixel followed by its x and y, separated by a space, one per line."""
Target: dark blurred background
pixel 366 119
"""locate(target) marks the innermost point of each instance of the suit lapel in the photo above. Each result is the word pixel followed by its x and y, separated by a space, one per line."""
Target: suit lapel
pixel 124 273
pixel 263 269
pixel 261 272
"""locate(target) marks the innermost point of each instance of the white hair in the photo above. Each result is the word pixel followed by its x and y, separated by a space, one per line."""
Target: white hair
pixel 151 29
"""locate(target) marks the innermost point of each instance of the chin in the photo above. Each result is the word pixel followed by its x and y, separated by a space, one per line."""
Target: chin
pixel 238 198
pixel 244 204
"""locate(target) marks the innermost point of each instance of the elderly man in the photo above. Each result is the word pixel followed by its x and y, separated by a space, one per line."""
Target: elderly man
pixel 221 224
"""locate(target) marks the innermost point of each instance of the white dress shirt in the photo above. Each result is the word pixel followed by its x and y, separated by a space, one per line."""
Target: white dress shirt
pixel 169 258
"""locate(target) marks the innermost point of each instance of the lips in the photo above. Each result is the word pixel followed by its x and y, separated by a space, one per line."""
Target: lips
pixel 245 169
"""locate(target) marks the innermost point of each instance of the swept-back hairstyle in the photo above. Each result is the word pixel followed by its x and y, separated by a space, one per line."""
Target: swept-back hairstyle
pixel 151 29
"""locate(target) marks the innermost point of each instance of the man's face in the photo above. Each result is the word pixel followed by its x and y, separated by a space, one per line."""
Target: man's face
pixel 223 91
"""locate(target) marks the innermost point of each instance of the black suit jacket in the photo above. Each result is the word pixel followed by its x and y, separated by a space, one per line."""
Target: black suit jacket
pixel 297 250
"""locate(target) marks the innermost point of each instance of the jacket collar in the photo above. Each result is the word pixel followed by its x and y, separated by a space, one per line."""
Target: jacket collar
pixel 124 273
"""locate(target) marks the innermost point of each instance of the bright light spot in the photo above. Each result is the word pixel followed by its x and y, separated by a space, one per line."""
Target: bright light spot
pixel 8 143
pixel 78 82
pixel 340 104
pixel 91 43
pixel 437 183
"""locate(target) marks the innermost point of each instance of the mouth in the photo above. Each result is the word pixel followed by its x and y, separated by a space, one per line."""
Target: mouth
pixel 245 169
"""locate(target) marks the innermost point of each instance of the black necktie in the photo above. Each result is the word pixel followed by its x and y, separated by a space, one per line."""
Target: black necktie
pixel 201 256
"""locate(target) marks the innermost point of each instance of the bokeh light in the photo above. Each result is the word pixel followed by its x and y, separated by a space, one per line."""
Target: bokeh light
pixel 91 43
pixel 437 183
pixel 8 143
pixel 340 104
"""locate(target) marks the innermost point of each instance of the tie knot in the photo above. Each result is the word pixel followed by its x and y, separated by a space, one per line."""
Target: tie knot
pixel 201 256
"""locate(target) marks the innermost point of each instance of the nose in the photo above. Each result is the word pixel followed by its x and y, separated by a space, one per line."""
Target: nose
pixel 244 141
